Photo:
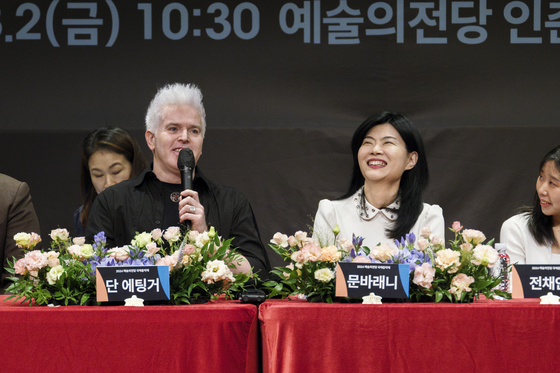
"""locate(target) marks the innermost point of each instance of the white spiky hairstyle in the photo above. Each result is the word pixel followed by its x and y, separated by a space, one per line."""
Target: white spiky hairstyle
pixel 174 94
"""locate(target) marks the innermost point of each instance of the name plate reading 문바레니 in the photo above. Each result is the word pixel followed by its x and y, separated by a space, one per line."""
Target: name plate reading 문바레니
pixel 534 280
pixel 117 283
pixel 360 279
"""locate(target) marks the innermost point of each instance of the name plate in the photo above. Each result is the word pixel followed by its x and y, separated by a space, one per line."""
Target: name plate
pixel 534 280
pixel 361 279
pixel 118 283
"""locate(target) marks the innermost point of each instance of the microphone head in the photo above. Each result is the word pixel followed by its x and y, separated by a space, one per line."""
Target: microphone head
pixel 185 159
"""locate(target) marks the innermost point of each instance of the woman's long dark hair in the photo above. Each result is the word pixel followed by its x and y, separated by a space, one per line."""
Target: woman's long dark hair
pixel 112 139
pixel 540 225
pixel 413 181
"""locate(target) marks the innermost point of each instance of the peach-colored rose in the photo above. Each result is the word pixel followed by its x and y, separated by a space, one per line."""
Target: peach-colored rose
pixel 448 259
pixel 79 241
pixel 330 254
pixel 300 257
pixel 280 239
pixel 313 251
pixel 460 283
pixel 60 234
pixel 52 259
pixel 172 234
pixel 456 226
pixel 383 252
pixel 119 253
pixel 156 234
pixel 345 244
pixel 151 249
pixel 300 236
pixel 167 261
pixel 436 240
pixel 35 260
pixel 485 255
pixel 75 251
pixel 189 249
pixel 193 235
pixel 361 259
pixel 466 247
pixel 292 242
pixel 424 275
pixel 34 239
pixel 20 267
pixel 423 244
pixel 473 236
pixel 425 232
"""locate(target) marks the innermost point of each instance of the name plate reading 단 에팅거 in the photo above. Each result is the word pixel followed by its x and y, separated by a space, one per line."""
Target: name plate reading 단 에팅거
pixel 534 280
pixel 118 283
pixel 361 279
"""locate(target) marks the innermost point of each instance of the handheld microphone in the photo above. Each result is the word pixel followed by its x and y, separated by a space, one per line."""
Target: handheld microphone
pixel 185 163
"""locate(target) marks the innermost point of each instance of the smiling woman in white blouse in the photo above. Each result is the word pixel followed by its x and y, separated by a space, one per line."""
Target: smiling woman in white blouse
pixel 533 236
pixel 384 200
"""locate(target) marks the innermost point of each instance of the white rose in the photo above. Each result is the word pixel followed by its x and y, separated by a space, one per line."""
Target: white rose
pixel 54 274
pixel 324 275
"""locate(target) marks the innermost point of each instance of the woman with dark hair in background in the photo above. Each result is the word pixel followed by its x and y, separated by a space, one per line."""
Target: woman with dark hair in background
pixel 109 156
pixel 533 236
pixel 384 200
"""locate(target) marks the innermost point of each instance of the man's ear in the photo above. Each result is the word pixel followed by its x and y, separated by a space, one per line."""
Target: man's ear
pixel 150 140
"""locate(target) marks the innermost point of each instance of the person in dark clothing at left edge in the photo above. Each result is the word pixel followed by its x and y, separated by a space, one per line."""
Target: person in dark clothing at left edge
pixel 155 199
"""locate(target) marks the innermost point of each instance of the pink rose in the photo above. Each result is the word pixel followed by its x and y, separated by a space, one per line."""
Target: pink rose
pixel 345 244
pixel 172 234
pixel 466 247
pixel 20 267
pixel 292 241
pixel 119 253
pixel 34 239
pixel 189 249
pixel 460 283
pixel 79 241
pixel 300 257
pixel 425 232
pixel 424 275
pixel 75 251
pixel 280 240
pixel 456 226
pixel 167 261
pixel 151 249
pixel 423 244
pixel 313 251
pixel 300 236
pixel 35 260
pixel 52 259
pixel 156 234
pixel 361 259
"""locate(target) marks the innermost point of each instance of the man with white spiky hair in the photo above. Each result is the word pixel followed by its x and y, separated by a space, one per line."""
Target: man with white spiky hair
pixel 175 120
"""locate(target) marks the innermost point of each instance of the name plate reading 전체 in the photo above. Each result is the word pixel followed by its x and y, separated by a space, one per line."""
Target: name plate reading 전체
pixel 118 283
pixel 361 279
pixel 534 280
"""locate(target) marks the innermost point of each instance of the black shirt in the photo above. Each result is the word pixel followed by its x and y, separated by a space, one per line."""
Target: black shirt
pixel 137 205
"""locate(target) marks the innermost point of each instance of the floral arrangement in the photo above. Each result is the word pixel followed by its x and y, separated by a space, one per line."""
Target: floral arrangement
pixel 199 263
pixel 311 268
pixel 459 273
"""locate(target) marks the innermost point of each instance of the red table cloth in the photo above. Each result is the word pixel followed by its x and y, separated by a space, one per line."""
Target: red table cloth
pixel 488 336
pixel 219 336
